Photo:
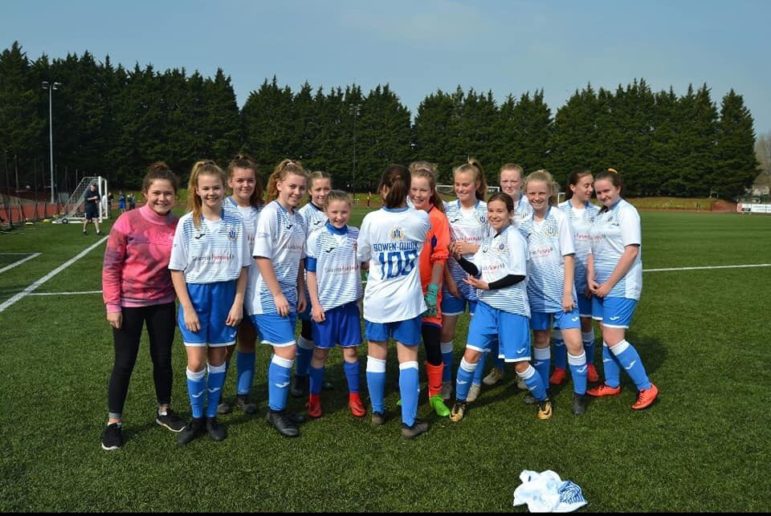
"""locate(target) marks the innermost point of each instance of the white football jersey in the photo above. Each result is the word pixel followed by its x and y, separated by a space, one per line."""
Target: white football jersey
pixel 215 251
pixel 391 241
pixel 313 216
pixel 548 242
pixel 280 237
pixel 522 209
pixel 498 257
pixel 581 221
pixel 331 253
pixel 470 226
pixel 612 231
pixel 249 216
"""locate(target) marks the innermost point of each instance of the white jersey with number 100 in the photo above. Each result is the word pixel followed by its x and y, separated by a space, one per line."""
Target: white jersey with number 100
pixel 391 241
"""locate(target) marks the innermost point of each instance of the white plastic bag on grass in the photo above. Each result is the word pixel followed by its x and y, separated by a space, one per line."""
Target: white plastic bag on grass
pixel 547 492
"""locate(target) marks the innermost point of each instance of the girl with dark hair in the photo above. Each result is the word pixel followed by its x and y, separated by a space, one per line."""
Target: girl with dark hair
pixel 614 276
pixel 510 179
pixel 581 214
pixel 246 203
pixel 137 291
pixel 498 273
pixel 390 241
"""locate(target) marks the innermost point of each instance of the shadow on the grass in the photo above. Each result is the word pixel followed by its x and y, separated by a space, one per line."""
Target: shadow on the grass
pixel 335 400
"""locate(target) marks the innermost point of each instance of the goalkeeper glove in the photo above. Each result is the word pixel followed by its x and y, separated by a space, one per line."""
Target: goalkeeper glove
pixel 431 293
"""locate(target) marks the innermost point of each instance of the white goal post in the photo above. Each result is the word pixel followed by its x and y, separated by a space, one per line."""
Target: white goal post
pixel 75 209
pixel 450 189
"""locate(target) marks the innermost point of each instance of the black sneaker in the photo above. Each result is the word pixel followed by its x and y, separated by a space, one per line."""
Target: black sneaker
pixel 579 404
pixel 299 388
pixel 246 406
pixel 378 418
pixel 282 422
pixel 195 428
pixel 296 417
pixel 170 420
pixel 417 428
pixel 112 437
pixel 216 431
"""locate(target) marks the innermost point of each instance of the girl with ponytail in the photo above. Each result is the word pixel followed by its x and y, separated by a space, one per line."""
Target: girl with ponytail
pixel 390 241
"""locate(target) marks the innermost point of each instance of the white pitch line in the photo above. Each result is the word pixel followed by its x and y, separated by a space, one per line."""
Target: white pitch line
pixel 694 268
pixel 16 264
pixel 65 293
pixel 709 267
pixel 27 291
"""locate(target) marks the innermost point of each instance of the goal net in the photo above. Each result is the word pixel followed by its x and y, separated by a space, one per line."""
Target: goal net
pixel 74 208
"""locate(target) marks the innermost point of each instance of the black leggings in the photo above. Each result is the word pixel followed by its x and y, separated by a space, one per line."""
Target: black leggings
pixel 305 330
pixel 431 340
pixel 160 328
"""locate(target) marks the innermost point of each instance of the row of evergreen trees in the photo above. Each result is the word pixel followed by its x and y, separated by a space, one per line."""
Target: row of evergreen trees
pixel 113 122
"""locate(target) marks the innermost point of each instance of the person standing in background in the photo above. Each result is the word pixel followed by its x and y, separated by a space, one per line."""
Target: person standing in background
pixel 92 208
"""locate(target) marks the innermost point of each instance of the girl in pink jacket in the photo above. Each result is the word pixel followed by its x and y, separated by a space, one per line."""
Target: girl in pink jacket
pixel 137 290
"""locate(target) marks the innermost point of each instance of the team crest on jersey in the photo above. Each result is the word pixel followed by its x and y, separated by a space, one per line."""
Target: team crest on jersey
pixel 501 248
pixel 397 233
pixel 550 230
pixel 232 234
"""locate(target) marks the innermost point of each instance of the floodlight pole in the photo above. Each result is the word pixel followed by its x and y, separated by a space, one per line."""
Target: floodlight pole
pixel 50 88
pixel 355 113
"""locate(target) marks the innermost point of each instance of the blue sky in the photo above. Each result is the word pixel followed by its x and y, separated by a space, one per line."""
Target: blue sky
pixel 509 47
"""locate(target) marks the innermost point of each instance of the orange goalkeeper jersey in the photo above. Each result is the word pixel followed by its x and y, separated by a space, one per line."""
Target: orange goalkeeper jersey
pixel 434 250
